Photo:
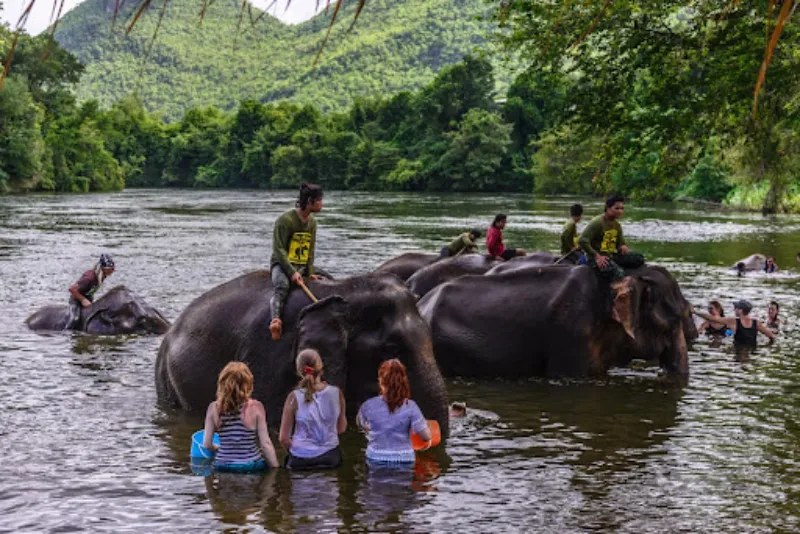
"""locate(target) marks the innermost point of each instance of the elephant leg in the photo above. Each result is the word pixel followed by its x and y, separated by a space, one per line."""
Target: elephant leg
pixel 74 320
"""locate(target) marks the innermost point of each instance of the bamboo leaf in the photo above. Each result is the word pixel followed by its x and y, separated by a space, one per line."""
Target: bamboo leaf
pixel 593 25
pixel 7 66
pixel 783 16
pixel 328 33
pixel 358 12
pixel 145 5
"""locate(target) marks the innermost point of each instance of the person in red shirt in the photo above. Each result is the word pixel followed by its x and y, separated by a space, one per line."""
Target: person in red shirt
pixel 81 293
pixel 494 240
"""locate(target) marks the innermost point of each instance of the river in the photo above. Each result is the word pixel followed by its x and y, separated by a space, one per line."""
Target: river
pixel 87 448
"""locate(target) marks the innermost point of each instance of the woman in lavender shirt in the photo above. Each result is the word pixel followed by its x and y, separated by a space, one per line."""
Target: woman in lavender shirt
pixel 389 418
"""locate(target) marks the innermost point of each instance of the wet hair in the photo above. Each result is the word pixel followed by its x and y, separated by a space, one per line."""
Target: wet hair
pixel 234 387
pixel 740 268
pixel 613 199
pixel 716 305
pixel 499 218
pixel 576 210
pixel 393 380
pixel 475 232
pixel 309 193
pixel 777 306
pixel 309 367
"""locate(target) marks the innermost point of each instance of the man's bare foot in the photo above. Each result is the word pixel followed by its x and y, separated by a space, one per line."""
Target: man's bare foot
pixel 276 328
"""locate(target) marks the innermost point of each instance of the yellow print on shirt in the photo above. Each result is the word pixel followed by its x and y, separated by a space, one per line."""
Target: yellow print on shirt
pixel 609 245
pixel 299 248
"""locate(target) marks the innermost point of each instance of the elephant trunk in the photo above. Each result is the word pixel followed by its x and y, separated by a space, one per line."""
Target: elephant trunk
pixel 427 385
pixel 676 357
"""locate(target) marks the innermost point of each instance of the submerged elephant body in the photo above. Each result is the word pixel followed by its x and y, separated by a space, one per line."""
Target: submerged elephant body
pixel 753 262
pixel 427 278
pixel 358 323
pixel 117 312
pixel 556 322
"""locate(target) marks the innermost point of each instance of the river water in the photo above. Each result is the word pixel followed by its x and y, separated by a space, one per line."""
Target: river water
pixel 86 447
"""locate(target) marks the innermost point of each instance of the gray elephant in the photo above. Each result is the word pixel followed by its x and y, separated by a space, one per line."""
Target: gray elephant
pixel 117 312
pixel 536 258
pixel 557 321
pixel 405 265
pixel 753 262
pixel 426 278
pixel 358 323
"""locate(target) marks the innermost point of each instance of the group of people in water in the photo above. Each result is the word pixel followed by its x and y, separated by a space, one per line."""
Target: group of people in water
pixel 314 413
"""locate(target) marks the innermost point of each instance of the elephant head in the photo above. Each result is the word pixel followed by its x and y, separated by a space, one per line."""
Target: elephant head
pixel 656 318
pixel 377 320
pixel 121 312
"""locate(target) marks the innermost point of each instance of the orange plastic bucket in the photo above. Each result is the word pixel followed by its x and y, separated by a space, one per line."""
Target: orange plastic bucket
pixel 420 444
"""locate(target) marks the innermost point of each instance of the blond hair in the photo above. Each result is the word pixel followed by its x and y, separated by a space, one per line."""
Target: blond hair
pixel 309 368
pixel 234 387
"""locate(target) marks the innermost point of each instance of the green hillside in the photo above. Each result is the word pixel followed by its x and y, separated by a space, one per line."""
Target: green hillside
pixel 394 46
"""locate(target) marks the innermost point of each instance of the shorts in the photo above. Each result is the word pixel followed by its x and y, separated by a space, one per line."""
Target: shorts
pixel 329 460
pixel 248 467
pixel 508 253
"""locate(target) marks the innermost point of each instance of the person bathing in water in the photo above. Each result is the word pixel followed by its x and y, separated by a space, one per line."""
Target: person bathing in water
pixel 745 329
pixel 81 293
pixel 463 244
pixel 769 265
pixel 604 244
pixel 569 237
pixel 713 329
pixel 494 240
pixel 294 238
pixel 773 321
pixel 241 423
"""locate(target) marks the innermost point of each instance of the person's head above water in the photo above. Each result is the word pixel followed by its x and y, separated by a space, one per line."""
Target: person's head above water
pixel 499 221
pixel 474 234
pixel 309 368
pixel 576 212
pixel 310 198
pixel 393 381
pixel 715 308
pixel 742 307
pixel 615 206
pixel 105 264
pixel 234 387
pixel 740 269
pixel 773 310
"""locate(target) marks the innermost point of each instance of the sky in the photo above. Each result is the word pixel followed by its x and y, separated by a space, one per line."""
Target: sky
pixel 39 19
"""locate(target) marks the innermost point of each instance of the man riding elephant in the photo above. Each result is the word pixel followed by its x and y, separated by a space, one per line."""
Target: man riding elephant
pixel 604 244
pixel 463 244
pixel 81 293
pixel 357 324
pixel 294 237
pixel 553 321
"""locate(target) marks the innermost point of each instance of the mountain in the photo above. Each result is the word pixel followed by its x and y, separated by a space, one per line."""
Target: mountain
pixel 394 46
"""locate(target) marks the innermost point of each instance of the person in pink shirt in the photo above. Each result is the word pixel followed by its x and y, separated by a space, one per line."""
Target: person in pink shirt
pixel 494 240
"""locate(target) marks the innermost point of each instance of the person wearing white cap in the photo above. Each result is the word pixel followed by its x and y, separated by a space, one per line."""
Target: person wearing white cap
pixel 745 329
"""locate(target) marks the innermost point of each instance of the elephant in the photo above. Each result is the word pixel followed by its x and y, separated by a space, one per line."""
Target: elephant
pixel 555 321
pixel 405 265
pixel 357 324
pixel 117 312
pixel 425 279
pixel 523 262
pixel 753 262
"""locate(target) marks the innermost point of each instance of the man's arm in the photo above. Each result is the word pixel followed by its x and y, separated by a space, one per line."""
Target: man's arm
pixel 766 331
pixel 280 246
pixel 730 322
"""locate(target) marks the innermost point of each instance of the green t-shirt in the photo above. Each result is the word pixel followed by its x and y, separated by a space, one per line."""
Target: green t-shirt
pixel 293 243
pixel 569 237
pixel 601 237
pixel 462 242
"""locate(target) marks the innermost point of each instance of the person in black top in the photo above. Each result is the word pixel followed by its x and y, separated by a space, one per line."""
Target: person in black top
pixel 713 329
pixel 745 329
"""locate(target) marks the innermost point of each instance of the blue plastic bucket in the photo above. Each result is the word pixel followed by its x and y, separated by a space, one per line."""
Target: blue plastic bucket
pixel 198 451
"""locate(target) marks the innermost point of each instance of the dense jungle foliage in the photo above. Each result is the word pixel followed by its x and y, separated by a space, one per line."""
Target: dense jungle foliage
pixel 655 101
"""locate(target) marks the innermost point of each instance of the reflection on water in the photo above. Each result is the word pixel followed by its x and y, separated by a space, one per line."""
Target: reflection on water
pixel 87 447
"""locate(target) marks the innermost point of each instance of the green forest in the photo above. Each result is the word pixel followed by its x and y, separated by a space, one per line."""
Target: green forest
pixel 653 101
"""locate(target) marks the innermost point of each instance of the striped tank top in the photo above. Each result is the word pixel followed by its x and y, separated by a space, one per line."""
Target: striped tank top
pixel 237 443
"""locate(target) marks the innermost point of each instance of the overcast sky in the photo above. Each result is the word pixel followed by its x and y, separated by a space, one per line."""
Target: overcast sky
pixel 39 19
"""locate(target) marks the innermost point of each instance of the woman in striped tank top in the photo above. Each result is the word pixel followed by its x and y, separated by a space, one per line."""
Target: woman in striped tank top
pixel 241 423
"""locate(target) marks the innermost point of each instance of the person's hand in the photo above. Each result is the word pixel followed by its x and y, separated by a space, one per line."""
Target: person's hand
pixel 297 278
pixel 317 277
pixel 601 261
pixel 86 303
pixel 624 249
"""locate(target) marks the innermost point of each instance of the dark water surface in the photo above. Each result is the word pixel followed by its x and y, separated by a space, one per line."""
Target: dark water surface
pixel 85 446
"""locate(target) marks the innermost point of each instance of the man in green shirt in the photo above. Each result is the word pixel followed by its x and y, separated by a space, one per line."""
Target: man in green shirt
pixel 293 241
pixel 604 244
pixel 569 237
pixel 463 244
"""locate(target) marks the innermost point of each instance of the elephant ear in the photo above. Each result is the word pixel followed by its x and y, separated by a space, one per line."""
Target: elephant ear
pixel 625 308
pixel 324 326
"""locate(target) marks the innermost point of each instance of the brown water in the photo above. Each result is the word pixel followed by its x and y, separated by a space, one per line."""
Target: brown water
pixel 86 447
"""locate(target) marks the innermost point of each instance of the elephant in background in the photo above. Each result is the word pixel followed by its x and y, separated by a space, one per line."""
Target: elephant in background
pixel 117 312
pixel 557 321
pixel 536 258
pixel 358 323
pixel 753 262
pixel 405 265
pixel 425 279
